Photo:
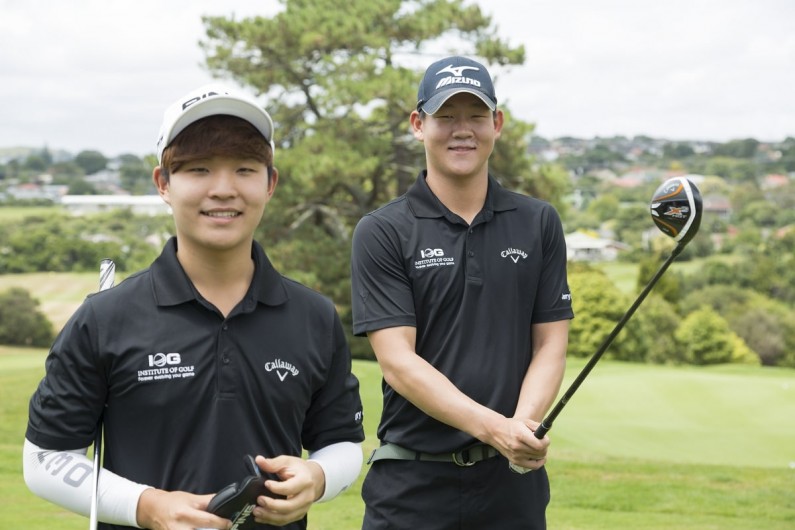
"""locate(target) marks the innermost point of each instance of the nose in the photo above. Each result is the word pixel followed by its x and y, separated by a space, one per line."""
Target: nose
pixel 462 128
pixel 223 184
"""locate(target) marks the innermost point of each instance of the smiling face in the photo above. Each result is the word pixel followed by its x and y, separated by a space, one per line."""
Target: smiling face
pixel 217 202
pixel 459 137
pixel 217 184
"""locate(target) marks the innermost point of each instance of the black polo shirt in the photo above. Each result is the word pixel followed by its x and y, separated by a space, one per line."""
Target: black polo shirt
pixel 188 391
pixel 472 292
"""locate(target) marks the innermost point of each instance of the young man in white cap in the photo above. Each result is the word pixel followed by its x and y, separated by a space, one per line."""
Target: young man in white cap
pixel 205 357
pixel 460 286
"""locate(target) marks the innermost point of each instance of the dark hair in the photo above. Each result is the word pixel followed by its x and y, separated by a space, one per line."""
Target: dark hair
pixel 218 135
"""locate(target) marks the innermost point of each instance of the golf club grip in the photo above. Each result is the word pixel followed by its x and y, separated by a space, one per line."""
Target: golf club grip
pixel 107 277
pixel 542 430
pixel 546 424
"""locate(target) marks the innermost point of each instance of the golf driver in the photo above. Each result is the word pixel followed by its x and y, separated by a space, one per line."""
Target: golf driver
pixel 107 276
pixel 676 210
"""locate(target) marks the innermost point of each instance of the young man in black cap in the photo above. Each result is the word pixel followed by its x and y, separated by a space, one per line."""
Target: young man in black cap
pixel 460 286
pixel 205 357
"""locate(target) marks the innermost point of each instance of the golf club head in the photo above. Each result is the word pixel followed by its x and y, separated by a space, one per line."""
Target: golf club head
pixel 676 209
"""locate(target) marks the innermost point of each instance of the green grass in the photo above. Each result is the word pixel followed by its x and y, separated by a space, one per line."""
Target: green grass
pixel 58 293
pixel 17 213
pixel 637 447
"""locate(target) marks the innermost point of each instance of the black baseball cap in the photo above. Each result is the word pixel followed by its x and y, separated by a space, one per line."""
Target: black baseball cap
pixel 453 75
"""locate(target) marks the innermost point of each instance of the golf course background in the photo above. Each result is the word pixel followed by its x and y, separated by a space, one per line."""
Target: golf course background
pixel 638 447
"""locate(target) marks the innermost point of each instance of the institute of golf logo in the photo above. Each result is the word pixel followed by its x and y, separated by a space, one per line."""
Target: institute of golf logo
pixel 165 367
pixel 433 257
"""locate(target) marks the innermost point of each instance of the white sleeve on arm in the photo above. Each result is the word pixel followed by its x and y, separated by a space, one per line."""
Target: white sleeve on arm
pixel 341 463
pixel 65 478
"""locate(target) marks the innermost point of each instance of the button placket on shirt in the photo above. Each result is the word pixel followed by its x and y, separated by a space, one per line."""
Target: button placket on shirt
pixel 473 253
pixel 227 378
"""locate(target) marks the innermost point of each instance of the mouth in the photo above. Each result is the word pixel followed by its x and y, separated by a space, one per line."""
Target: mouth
pixel 222 214
pixel 461 148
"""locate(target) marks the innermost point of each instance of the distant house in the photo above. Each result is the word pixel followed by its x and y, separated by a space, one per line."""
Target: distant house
pixel 774 181
pixel 581 246
pixel 717 205
pixel 32 191
pixel 138 204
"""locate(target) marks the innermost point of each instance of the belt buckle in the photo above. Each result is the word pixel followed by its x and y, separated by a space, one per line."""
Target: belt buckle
pixel 463 461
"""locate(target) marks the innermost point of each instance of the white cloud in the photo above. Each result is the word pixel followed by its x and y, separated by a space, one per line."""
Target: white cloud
pixel 97 74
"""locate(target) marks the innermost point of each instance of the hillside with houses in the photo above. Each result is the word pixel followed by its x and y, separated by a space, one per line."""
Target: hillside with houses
pixel 737 307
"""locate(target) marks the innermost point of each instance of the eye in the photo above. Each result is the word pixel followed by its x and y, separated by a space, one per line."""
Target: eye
pixel 251 168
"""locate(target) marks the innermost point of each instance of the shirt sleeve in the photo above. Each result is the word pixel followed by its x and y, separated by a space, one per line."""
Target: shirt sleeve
pixel 64 410
pixel 553 301
pixel 335 414
pixel 381 294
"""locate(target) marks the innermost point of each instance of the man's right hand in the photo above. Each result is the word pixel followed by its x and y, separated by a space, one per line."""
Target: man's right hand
pixel 177 510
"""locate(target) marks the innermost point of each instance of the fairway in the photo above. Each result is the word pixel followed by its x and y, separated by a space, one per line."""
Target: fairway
pixel 637 447
pixel 729 415
pixel 59 293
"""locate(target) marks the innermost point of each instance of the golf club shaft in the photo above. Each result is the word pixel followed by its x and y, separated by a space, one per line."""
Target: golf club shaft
pixel 546 424
pixel 107 276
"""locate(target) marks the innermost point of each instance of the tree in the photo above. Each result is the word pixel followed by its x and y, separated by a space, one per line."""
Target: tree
pixel 668 286
pixel 136 175
pixel 35 162
pixel 91 161
pixel 678 150
pixel 764 333
pixel 340 86
pixel 659 321
pixel 81 187
pixel 704 337
pixel 604 207
pixel 745 148
pixel 21 323
pixel 598 306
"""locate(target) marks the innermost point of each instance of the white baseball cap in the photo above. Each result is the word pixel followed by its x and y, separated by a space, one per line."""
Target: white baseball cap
pixel 211 100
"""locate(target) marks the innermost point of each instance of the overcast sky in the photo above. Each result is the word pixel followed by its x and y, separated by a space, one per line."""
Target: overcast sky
pixel 97 74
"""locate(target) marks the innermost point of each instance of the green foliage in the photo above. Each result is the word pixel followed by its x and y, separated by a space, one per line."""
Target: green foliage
pixel 340 85
pixel 704 337
pixel 56 242
pixel 598 307
pixel 658 320
pixel 668 286
pixel 604 207
pixel 136 175
pixel 91 161
pixel 21 322
pixel 678 150
pixel 81 187
pixel 745 148
pixel 766 326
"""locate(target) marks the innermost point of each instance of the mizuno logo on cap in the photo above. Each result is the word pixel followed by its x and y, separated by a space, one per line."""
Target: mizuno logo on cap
pixel 457 71
pixel 457 77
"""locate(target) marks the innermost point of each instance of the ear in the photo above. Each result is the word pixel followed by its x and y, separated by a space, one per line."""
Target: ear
pixel 161 183
pixel 272 181
pixel 416 125
pixel 499 121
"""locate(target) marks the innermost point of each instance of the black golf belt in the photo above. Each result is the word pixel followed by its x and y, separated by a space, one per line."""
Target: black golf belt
pixel 468 456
